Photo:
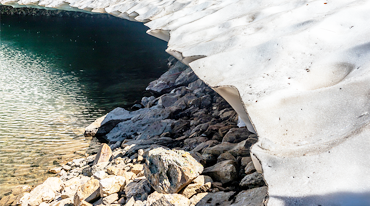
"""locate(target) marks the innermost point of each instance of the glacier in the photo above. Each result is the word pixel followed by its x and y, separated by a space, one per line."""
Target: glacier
pixel 296 71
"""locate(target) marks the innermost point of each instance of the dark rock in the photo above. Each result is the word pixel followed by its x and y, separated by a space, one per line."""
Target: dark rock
pixel 166 82
pixel 252 180
pixel 224 171
pixel 156 128
pixel 186 77
pixel 226 156
pixel 191 143
pixel 236 135
pixel 212 199
pixel 252 197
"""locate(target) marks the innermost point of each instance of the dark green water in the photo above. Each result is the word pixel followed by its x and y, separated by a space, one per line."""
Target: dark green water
pixel 59 74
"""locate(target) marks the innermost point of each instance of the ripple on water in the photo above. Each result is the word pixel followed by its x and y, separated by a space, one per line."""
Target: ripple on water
pixel 42 116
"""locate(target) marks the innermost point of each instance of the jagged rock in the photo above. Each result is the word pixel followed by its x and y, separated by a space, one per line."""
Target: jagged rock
pixel 111 185
pixel 157 199
pixel 186 77
pixel 105 124
pixel 156 128
pixel 21 189
pixel 104 154
pixel 211 199
pixel 167 80
pixel 249 168
pixel 224 171
pixel 110 199
pixel 87 192
pixel 202 182
pixel 139 122
pixel 167 100
pixel 139 189
pixel 252 179
pixel 236 135
pixel 252 197
pixel 44 204
pixel 45 192
pixel 168 171
pixel 226 156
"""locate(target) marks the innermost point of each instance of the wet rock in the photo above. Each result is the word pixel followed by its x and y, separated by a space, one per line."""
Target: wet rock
pixel 249 168
pixel 226 156
pixel 211 199
pixel 224 171
pixel 8 200
pixel 146 101
pixel 186 77
pixel 200 184
pixel 252 179
pixel 139 189
pixel 21 189
pixel 236 135
pixel 111 185
pixel 166 82
pixel 104 154
pixel 87 192
pixel 252 197
pixel 45 192
pixel 157 199
pixel 91 130
pixel 168 171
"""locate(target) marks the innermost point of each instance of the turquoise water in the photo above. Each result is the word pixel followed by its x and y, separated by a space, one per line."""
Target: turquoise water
pixel 57 75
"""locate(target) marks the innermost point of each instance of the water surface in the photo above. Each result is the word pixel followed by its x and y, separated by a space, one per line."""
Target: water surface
pixel 59 74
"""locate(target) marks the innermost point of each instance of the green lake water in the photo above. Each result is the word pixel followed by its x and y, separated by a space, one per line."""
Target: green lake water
pixel 57 75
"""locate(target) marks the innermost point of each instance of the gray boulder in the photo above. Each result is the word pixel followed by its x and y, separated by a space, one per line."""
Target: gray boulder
pixel 169 171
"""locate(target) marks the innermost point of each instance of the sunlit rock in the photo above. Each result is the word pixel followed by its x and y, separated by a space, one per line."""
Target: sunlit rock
pixel 296 72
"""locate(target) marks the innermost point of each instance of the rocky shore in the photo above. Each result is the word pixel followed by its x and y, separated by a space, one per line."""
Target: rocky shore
pixel 180 147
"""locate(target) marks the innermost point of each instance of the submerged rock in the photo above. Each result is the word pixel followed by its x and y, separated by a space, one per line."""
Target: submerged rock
pixel 168 171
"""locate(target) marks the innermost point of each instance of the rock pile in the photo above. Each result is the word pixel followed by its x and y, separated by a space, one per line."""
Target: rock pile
pixel 181 147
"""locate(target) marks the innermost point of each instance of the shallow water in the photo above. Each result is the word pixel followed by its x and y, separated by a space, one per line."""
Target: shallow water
pixel 57 75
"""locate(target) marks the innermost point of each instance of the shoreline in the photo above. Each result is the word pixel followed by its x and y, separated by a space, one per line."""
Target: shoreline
pixel 184 115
